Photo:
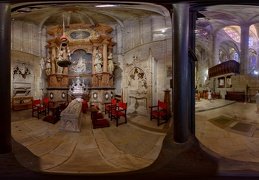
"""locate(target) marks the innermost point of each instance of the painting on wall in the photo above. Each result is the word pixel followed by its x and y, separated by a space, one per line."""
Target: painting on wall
pixel 81 62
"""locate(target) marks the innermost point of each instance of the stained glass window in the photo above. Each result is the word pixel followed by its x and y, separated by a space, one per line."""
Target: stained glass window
pixel 233 32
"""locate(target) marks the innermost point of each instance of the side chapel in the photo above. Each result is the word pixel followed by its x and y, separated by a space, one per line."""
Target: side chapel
pixel 90 51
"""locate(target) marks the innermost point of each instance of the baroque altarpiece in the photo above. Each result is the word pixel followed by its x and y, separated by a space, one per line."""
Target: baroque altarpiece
pixel 89 51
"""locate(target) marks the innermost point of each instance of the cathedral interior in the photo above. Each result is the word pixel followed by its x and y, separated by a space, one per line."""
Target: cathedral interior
pixel 116 88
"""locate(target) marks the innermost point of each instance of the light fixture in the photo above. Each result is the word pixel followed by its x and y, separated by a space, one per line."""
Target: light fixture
pixel 64 56
pixel 63 95
pixel 51 95
pixel 106 5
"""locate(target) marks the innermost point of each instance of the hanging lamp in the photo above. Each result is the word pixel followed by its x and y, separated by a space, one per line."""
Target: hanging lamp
pixel 64 58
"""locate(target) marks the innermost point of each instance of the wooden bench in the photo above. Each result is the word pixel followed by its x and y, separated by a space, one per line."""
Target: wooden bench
pixel 235 96
pixel 21 103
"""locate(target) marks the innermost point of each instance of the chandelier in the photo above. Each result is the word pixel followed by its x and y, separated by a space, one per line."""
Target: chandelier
pixel 64 56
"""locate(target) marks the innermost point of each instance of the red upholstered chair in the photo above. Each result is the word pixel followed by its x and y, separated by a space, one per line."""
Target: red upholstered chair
pixel 39 108
pixel 159 113
pixel 119 111
pixel 46 103
pixel 108 106
pixel 84 106
pixel 97 118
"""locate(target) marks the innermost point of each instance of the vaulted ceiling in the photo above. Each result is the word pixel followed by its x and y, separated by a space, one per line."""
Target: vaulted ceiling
pixel 46 14
pixel 219 16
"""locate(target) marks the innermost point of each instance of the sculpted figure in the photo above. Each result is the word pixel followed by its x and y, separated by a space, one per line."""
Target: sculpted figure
pixel 98 62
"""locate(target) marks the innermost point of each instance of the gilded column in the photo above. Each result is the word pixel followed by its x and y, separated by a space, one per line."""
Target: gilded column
pixel 105 57
pixel 93 58
pixel 53 56
pixel 94 76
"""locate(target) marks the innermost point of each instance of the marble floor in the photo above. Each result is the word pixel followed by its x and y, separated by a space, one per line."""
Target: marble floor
pixel 134 145
pixel 128 147
pixel 240 144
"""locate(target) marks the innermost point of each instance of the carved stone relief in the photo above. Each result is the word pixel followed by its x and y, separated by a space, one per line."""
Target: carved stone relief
pixel 138 86
pixel 22 79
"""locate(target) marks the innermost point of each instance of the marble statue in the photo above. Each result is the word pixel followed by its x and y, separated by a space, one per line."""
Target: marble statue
pixel 48 67
pixel 98 62
pixel 110 66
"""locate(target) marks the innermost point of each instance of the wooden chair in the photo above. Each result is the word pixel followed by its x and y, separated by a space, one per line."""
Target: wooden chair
pixel 119 111
pixel 39 108
pixel 109 106
pixel 159 112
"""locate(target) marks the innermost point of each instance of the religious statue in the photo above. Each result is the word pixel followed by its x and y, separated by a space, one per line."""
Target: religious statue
pixel 60 58
pixel 47 67
pixel 110 64
pixel 98 62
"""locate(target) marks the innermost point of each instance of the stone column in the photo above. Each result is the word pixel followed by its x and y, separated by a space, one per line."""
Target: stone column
pixel 215 52
pixel 191 71
pixel 105 59
pixel 180 73
pixel 244 48
pixel 5 68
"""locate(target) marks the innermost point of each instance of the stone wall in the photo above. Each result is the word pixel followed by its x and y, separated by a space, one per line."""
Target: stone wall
pixel 148 50
pixel 28 46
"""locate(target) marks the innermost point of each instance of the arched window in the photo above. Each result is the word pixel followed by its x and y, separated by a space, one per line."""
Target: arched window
pixel 233 32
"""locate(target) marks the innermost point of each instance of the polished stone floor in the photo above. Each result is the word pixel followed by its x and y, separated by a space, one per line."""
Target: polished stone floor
pixel 241 144
pixel 139 143
pixel 128 147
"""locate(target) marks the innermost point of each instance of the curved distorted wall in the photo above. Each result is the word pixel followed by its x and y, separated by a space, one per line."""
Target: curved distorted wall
pixel 28 46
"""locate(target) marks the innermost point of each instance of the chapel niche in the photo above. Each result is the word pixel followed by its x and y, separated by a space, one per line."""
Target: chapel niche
pixel 89 50
pixel 138 85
